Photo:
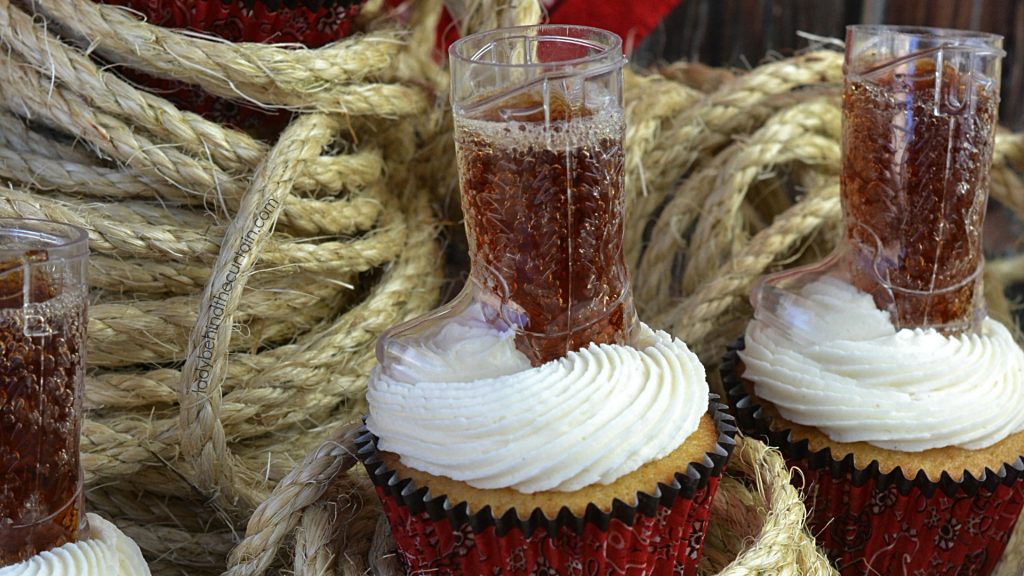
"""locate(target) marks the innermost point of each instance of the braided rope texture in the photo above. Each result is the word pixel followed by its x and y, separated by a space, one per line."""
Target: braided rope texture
pixel 239 286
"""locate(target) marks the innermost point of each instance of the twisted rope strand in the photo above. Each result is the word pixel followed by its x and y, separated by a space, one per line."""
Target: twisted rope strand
pixel 233 151
pixel 156 331
pixel 806 133
pixel 200 395
pixel 259 73
pixel 15 133
pixel 49 173
pixel 190 180
pixel 276 517
pixel 27 91
pixel 140 230
pixel 1007 186
pixel 169 277
pixel 736 107
pixel 783 526
pixel 712 198
pixel 701 314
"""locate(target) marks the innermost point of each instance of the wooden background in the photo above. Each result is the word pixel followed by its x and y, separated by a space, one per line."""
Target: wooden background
pixel 742 33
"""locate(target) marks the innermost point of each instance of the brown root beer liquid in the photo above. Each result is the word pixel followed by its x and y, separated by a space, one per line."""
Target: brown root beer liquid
pixel 40 374
pixel 542 194
pixel 914 185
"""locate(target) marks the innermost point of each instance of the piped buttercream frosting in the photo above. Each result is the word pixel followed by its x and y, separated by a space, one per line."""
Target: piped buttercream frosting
pixel 827 357
pixel 465 404
pixel 107 552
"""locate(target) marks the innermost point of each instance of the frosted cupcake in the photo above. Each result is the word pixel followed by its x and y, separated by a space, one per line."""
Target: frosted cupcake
pixel 907 440
pixel 878 373
pixel 607 458
pixel 535 425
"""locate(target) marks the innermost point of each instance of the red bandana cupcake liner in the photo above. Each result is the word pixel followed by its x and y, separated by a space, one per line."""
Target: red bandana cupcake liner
pixel 869 522
pixel 311 23
pixel 661 534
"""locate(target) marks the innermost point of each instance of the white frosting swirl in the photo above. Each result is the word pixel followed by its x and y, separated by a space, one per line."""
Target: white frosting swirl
pixel 107 552
pixel 590 417
pixel 829 358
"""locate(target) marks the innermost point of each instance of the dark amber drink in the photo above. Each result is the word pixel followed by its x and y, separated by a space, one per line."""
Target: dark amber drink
pixel 42 339
pixel 539 129
pixel 543 201
pixel 918 134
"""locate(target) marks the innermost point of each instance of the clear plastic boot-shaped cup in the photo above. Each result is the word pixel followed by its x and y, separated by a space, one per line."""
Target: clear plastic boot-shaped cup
pixel 919 116
pixel 42 340
pixel 539 130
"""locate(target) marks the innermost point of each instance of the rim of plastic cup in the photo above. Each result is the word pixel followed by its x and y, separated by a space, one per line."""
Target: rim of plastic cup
pixel 59 239
pixel 586 36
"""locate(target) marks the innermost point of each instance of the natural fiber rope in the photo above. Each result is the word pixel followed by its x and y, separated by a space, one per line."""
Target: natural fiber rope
pixel 200 393
pixel 169 200
pixel 340 77
pixel 685 140
pixel 54 173
pixel 478 15
pixel 194 180
pixel 235 151
pixel 27 91
pixel 141 230
pixel 276 517
pixel 805 133
pixel 1007 182
pixel 764 507
pixel 122 110
pixel 16 134
pixel 701 318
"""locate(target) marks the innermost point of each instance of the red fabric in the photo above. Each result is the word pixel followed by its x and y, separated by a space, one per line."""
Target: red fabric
pixel 632 20
pixel 915 535
pixel 233 20
pixel 667 544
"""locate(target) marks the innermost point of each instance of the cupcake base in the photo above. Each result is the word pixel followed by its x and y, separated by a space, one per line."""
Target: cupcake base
pixel 659 532
pixel 872 519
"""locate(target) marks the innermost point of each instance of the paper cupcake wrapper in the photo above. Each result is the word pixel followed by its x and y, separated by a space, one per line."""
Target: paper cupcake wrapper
pixel 870 522
pixel 659 534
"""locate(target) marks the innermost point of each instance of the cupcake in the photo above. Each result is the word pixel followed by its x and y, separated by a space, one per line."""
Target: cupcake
pixel 534 425
pixel 310 23
pixel 878 373
pixel 908 442
pixel 600 461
